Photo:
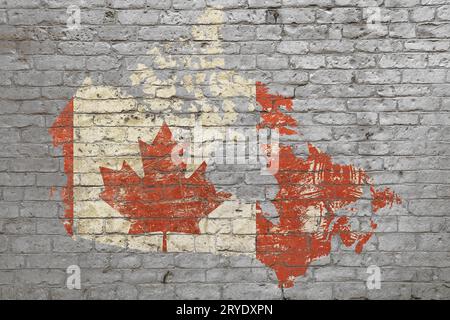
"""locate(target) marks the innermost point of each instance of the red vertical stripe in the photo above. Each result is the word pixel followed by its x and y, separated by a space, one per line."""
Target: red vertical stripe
pixel 62 133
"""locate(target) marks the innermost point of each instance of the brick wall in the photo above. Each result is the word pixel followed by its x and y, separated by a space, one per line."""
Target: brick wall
pixel 374 95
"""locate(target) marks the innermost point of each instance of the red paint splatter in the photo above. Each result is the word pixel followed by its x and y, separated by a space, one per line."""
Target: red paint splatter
pixel 164 199
pixel 310 193
pixel 271 114
pixel 62 133
pixel 383 198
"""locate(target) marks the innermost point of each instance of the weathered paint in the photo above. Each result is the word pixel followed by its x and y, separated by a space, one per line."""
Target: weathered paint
pixel 62 133
pixel 272 116
pixel 164 199
pixel 311 191
pixel 117 195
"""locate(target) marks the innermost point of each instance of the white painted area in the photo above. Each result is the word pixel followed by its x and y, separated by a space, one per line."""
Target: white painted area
pixel 109 122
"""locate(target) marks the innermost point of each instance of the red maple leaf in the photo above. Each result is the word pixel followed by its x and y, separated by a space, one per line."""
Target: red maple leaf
pixel 164 200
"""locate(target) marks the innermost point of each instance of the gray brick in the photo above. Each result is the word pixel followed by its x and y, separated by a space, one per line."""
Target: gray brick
pixel 156 4
pixel 402 30
pixel 378 76
pixel 403 61
pixel 17 179
pixel 59 63
pixel 239 275
pixel 306 3
pixel 397 242
pixel 186 4
pixel 125 4
pixel 398 119
pixel 41 277
pixel 269 32
pixel 351 62
pixel 331 76
pixel 242 291
pixel 291 77
pixel 158 261
pixel 13 63
pixel 7 47
pixel 46 78
pixel 419 104
pixel 425 76
pixel 401 3
pixel 8 135
pixel 198 291
pixel 143 276
pixel 307 62
pixel 3 243
pixel 427 45
pixel 157 292
pixel 93 260
pixel 6 277
pixel 423 14
pixel 66 244
pixel 20 226
pixel 349 290
pixel 66 294
pixel 164 33
pixel 264 3
pixel 11 261
pixel 433 242
pixel 238 33
pixel 391 291
pixel 430 291
pixel 339 15
pixel 296 16
pixel 52 226
pixel 119 33
pixel 305 32
pixel 377 45
pixel 271 62
pixel 138 17
pixel 84 48
pixel 3 17
pixel 51 180
pixel 185 275
pixel 435 119
pixel 6 78
pixel 126 261
pixel 31 244
pixel 433 30
pixel 443 13
pixel 353 31
pixel 306 291
pixel 245 16
pixel 93 276
pixel 293 47
pixel 102 63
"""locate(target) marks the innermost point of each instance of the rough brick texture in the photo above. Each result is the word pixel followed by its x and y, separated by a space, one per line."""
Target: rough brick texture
pixel 377 97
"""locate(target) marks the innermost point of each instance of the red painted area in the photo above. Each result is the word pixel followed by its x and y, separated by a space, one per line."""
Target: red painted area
pixel 164 200
pixel 383 198
pixel 311 191
pixel 62 133
pixel 272 117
